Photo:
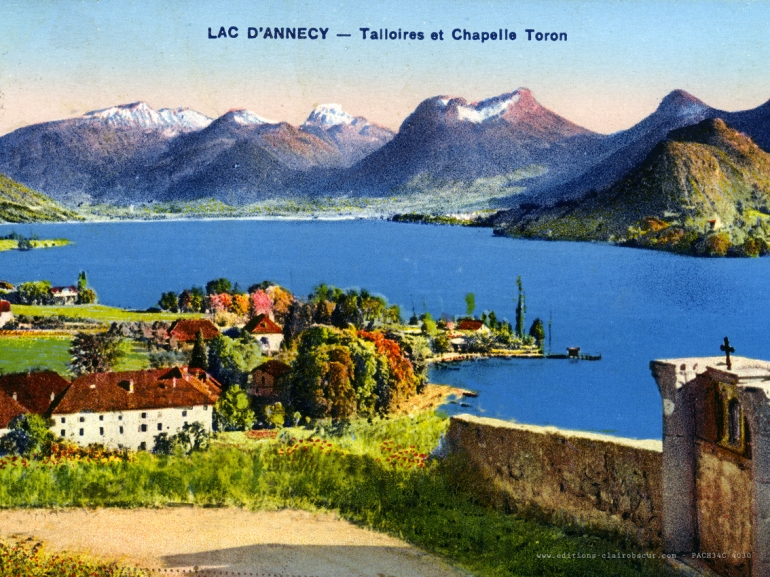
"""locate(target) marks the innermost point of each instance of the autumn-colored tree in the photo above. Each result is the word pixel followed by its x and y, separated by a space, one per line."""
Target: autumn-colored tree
pixel 220 302
pixel 261 303
pixel 240 304
pixel 282 300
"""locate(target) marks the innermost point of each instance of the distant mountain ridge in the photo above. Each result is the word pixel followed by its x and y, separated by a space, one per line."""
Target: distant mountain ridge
pixel 507 150
pixel 705 189
pixel 20 204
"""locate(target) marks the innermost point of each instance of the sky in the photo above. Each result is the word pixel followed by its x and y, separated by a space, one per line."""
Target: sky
pixel 62 58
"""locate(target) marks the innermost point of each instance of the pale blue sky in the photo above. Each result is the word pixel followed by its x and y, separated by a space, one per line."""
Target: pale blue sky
pixel 62 58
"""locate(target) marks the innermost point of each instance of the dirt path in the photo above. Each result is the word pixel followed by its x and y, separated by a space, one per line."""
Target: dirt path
pixel 222 541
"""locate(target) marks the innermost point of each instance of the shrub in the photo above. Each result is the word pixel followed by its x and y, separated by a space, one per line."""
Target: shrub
pixel 717 244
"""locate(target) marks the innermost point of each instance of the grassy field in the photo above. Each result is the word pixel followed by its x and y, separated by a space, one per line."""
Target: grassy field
pixel 19 354
pixel 377 474
pixel 99 313
pixel 25 353
pixel 8 244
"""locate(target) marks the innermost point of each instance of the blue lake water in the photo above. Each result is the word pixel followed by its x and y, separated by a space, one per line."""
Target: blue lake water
pixel 629 305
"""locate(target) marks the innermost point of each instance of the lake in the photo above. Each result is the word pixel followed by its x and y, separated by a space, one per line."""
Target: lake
pixel 630 305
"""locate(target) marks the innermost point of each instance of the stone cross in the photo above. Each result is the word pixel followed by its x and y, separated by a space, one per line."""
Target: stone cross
pixel 727 349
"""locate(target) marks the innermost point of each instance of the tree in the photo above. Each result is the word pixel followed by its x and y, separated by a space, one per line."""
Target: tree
pixel 200 354
pixel 35 292
pixel 470 304
pixel 232 360
pixel 219 285
pixel 95 353
pixel 537 332
pixel 169 301
pixel 86 296
pixel 521 310
pixel 28 434
pixel 192 437
pixel 232 411
pixel 82 281
pixel 428 324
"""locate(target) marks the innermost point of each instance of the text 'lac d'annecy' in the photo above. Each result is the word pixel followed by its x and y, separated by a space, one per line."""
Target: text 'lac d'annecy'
pixel 369 34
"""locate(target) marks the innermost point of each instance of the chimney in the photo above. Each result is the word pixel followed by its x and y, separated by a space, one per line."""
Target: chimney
pixel 173 382
pixel 131 386
pixel 14 396
pixel 53 396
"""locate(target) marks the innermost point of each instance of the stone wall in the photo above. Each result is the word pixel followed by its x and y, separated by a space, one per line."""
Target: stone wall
pixel 604 482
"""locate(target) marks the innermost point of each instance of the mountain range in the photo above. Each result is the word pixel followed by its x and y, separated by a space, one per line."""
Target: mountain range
pixel 704 188
pixel 524 156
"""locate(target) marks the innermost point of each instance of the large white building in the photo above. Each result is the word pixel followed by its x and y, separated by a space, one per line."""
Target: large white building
pixel 128 409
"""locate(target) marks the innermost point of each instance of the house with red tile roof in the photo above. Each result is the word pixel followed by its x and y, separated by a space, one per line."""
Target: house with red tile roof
pixel 128 409
pixel 6 315
pixel 267 332
pixel 64 295
pixel 186 330
pixel 34 391
pixel 264 379
pixel 471 325
pixel 9 410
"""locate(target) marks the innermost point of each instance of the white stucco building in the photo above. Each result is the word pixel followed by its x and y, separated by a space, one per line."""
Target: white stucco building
pixel 128 409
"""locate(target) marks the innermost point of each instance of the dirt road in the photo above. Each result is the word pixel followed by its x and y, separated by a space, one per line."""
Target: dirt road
pixel 226 541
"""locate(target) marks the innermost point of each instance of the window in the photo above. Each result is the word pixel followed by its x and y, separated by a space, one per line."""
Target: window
pixel 101 417
pixel 160 426
pixel 63 420
pixel 142 446
pixel 82 419
pixel 144 415
pixel 184 413
pixel 143 428
pixel 185 423
pixel 63 433
pixel 120 417
pixel 81 432
pixel 205 407
pixel 733 422
pixel 101 430
pixel 121 430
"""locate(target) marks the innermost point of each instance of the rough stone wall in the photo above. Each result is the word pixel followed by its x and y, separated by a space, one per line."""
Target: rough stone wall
pixel 604 482
pixel 723 507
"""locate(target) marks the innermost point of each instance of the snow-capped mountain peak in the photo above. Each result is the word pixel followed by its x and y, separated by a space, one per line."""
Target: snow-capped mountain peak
pixel 328 115
pixel 138 115
pixel 484 110
pixel 487 109
pixel 141 115
pixel 184 117
pixel 246 117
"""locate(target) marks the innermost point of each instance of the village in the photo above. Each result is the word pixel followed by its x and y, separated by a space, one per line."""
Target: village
pixel 281 359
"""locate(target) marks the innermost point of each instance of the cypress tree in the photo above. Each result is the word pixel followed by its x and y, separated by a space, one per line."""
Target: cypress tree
pixel 521 310
pixel 200 356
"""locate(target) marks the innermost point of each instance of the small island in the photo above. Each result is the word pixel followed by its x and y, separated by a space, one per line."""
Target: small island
pixel 15 241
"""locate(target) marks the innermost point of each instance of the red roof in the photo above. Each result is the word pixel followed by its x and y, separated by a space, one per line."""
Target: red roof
pixel 5 307
pixel 34 390
pixel 133 390
pixel 263 325
pixel 9 410
pixel 273 368
pixel 187 329
pixel 469 325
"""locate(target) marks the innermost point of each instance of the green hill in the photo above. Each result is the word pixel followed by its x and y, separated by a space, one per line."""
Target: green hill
pixel 21 204
pixel 703 190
